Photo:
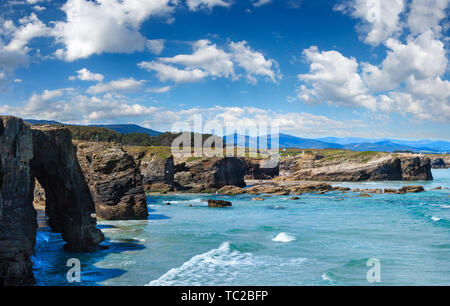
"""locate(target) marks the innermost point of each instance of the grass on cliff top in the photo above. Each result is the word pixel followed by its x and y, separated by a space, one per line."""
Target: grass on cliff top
pixel 335 154
pixel 162 152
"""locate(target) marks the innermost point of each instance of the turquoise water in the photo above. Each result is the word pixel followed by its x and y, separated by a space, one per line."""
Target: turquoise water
pixel 317 240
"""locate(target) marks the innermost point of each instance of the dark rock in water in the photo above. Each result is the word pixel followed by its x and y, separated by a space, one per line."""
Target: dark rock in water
pixel 219 203
pixel 390 190
pixel 68 204
pixel 48 155
pixel 364 195
pixel 416 168
pixel 411 189
pixel 114 180
pixel 17 215
pixel 294 198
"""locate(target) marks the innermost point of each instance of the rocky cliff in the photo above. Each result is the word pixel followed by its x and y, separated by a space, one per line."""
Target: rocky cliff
pixel 358 167
pixel 210 173
pixel 259 169
pixel 114 180
pixel 48 155
pixel 157 169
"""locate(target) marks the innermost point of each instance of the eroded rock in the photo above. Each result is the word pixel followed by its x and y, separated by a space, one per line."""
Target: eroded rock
pixel 114 181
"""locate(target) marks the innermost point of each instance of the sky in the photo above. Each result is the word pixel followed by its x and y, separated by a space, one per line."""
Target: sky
pixel 361 68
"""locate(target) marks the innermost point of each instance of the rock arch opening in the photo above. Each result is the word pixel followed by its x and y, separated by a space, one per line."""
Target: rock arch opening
pixel 47 155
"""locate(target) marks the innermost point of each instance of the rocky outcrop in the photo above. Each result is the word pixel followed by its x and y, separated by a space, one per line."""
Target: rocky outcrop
pixel 68 204
pixel 219 204
pixel 259 169
pixel 114 181
pixel 439 163
pixel 379 167
pixel 416 168
pixel 48 155
pixel 157 172
pixel 210 174
pixel 17 215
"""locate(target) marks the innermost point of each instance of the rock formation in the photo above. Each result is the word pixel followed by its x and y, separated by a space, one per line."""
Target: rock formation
pixel 210 173
pixel 415 168
pixel 219 204
pixel 439 163
pixel 259 169
pixel 17 215
pixel 157 172
pixel 379 167
pixel 114 181
pixel 48 155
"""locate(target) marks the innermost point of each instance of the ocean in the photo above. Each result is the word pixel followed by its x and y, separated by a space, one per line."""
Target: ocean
pixel 317 240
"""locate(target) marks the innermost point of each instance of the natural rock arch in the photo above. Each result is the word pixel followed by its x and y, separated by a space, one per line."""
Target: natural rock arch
pixel 49 155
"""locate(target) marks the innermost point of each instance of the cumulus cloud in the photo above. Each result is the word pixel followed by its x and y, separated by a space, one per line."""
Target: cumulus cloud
pixel 380 18
pixel 169 73
pixel 422 57
pixel 208 60
pixel 427 14
pixel 86 75
pixel 334 78
pixel 195 5
pixel 95 27
pixel 120 85
pixel 253 62
pixel 68 105
pixel 409 79
pixel 206 56
pixel 251 117
pixel 16 52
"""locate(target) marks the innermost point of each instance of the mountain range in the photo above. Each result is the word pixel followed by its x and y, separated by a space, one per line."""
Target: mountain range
pixel 289 141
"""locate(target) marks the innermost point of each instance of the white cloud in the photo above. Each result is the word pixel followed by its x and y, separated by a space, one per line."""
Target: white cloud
pixel 381 18
pixel 195 5
pixel 156 46
pixel 160 89
pixel 334 78
pixel 423 57
pixel 67 105
pixel 39 8
pixel 253 62
pixel 207 60
pixel 86 75
pixel 258 3
pixel 169 73
pixel 15 53
pixel 208 57
pixel 120 85
pixel 34 1
pixel 251 117
pixel 427 14
pixel 95 27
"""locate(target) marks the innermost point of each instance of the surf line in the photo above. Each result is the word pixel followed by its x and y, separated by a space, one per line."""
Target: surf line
pixel 198 296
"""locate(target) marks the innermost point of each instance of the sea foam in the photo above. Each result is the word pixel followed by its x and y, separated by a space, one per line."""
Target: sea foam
pixel 284 237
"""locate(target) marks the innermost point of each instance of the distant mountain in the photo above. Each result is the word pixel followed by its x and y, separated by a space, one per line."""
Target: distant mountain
pixel 395 144
pixel 129 128
pixel 385 146
pixel 286 141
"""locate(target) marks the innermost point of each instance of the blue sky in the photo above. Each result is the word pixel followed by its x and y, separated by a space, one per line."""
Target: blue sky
pixel 368 68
